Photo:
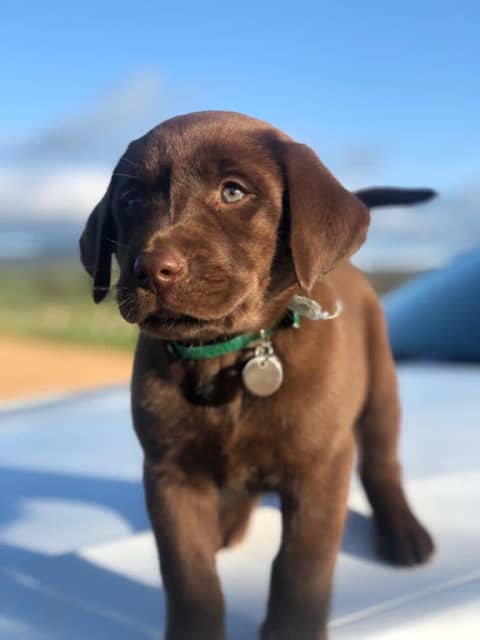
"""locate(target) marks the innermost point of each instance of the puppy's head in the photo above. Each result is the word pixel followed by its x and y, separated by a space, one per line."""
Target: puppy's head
pixel 214 218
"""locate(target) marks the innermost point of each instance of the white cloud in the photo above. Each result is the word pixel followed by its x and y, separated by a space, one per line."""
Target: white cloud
pixel 63 170
pixel 357 165
pixel 50 194
pixel 98 132
pixel 472 195
pixel 423 236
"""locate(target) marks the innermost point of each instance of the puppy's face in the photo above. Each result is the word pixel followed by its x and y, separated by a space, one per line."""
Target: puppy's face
pixel 212 217
pixel 196 208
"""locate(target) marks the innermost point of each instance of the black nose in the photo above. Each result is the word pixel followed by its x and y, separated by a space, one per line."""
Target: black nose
pixel 159 269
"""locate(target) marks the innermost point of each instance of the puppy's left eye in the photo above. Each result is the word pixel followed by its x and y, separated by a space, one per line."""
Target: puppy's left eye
pixel 132 200
pixel 232 192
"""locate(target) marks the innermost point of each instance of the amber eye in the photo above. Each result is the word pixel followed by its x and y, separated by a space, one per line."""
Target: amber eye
pixel 232 192
pixel 133 200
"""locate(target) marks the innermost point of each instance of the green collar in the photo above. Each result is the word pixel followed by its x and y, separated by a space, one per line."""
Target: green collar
pixel 216 349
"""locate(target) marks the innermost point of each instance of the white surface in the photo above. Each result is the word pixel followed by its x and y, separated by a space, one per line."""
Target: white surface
pixel 77 559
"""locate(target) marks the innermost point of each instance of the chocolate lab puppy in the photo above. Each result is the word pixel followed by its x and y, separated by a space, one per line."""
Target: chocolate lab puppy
pixel 218 223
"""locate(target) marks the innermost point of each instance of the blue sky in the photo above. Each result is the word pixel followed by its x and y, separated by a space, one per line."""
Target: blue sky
pixel 384 92
pixel 339 75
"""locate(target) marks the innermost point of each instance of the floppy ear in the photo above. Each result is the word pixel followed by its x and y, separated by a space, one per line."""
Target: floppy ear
pixel 96 247
pixel 327 222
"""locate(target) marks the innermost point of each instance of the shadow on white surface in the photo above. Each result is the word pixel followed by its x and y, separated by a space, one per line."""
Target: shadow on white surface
pixel 73 560
pixel 77 559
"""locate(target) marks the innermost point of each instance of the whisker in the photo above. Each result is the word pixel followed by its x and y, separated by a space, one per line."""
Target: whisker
pixel 124 175
pixel 128 298
pixel 134 164
pixel 126 303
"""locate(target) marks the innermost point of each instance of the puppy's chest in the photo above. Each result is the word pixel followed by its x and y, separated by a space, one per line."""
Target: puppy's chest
pixel 240 445
pixel 221 430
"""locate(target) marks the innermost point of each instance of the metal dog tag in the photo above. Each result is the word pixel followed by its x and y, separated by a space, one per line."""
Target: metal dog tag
pixel 263 374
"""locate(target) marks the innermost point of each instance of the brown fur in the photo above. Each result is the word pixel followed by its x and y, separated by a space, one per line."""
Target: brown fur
pixel 210 446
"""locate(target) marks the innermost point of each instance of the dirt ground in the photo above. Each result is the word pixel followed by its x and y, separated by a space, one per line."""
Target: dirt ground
pixel 34 367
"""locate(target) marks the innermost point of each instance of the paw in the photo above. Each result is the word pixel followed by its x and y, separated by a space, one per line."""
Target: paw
pixel 402 540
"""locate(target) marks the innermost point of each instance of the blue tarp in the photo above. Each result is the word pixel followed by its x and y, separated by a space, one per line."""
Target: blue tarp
pixel 437 315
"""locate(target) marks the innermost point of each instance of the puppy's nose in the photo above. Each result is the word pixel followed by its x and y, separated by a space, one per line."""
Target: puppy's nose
pixel 159 269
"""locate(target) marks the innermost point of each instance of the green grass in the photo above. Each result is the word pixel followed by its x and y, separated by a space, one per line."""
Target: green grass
pixel 54 301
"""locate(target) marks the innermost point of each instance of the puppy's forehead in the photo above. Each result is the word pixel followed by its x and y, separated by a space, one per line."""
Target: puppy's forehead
pixel 192 138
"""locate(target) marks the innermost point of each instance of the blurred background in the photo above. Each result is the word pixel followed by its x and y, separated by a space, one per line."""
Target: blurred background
pixel 384 97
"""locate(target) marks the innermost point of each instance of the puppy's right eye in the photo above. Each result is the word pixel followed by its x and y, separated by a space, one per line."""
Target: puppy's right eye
pixel 232 192
pixel 132 200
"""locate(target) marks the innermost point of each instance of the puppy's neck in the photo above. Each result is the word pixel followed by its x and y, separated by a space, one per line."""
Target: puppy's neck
pixel 217 381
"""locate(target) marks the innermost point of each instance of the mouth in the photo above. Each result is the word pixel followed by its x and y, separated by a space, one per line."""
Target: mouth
pixel 179 326
pixel 172 321
pixel 171 324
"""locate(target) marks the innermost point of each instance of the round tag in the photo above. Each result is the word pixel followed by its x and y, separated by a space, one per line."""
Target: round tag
pixel 263 375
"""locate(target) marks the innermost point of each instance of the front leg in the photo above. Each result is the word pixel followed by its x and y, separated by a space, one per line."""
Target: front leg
pixel 313 514
pixel 184 517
